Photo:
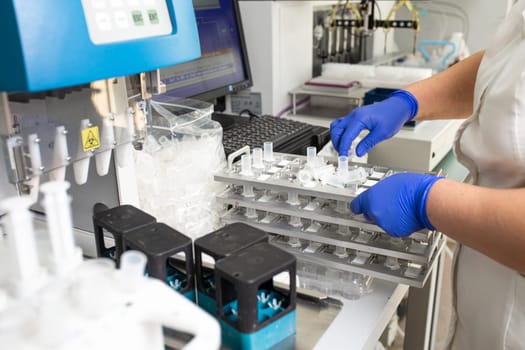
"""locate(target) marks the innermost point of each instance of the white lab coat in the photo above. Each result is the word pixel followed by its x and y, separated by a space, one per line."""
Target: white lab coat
pixel 490 297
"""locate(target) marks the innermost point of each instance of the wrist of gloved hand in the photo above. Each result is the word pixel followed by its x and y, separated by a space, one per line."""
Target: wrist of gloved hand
pixel 398 203
pixel 409 100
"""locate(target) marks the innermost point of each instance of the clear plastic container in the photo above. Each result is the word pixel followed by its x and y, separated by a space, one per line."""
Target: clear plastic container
pixel 333 282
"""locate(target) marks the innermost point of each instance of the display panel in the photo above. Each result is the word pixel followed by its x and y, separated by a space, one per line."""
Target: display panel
pixel 111 21
pixel 223 67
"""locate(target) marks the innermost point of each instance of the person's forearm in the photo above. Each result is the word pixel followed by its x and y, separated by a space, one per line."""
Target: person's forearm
pixel 489 220
pixel 449 94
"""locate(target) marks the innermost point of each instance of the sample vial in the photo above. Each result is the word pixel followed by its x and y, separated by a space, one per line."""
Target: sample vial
pixel 246 165
pixel 343 230
pixel 258 158
pixel 342 207
pixel 247 191
pixel 294 242
pixel 293 198
pixel 295 221
pixel 311 154
pixel 342 167
pixel 341 252
pixel 268 152
pixel 251 213
pixel 392 263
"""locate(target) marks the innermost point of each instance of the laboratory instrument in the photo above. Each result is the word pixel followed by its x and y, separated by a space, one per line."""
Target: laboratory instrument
pixel 62 107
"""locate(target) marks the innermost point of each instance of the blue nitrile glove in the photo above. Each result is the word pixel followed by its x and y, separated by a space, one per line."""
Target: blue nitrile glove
pixel 384 119
pixel 398 204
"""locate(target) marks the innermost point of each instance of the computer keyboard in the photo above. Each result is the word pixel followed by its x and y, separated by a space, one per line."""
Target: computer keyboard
pixel 287 135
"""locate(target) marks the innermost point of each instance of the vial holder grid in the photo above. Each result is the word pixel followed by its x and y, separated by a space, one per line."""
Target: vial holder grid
pixel 169 256
pixel 218 245
pixel 303 213
pixel 253 313
pixel 117 222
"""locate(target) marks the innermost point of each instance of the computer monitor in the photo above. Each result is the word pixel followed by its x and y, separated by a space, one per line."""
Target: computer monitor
pixel 223 67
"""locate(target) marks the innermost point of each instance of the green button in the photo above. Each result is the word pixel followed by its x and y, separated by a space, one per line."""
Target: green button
pixel 137 18
pixel 153 16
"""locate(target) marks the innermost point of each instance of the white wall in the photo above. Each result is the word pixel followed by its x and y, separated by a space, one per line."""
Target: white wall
pixel 279 40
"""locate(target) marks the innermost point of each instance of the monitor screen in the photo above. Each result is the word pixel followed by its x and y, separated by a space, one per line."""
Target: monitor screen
pixel 223 67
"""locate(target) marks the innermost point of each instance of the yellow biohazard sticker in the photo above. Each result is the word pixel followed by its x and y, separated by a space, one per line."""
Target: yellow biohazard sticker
pixel 90 139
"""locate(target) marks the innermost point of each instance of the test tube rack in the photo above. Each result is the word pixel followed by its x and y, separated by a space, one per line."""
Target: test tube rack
pixel 315 223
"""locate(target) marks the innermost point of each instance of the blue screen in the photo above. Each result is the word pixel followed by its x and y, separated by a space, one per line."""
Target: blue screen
pixel 222 67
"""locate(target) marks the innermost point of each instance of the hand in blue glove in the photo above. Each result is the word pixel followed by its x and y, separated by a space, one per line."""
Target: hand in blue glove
pixel 398 204
pixel 384 119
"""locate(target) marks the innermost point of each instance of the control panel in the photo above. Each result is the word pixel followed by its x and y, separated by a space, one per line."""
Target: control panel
pixel 111 21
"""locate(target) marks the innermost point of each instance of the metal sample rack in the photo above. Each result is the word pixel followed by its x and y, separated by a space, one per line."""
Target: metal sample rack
pixel 315 223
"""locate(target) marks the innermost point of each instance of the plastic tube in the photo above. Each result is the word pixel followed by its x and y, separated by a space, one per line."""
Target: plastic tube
pixel 60 155
pixel 132 266
pixel 343 230
pixel 81 166
pixel 341 252
pixel 294 242
pixel 247 191
pixel 56 203
pixel 107 140
pixel 311 154
pixel 295 221
pixel 246 165
pixel 392 263
pixel 293 198
pixel 258 158
pixel 251 213
pixel 18 225
pixel 33 145
pixel 268 152
pixel 342 167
